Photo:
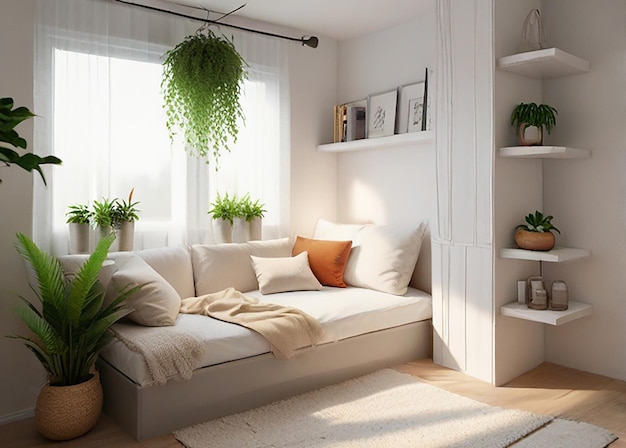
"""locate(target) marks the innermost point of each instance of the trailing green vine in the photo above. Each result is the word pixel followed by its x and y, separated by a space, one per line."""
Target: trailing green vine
pixel 201 86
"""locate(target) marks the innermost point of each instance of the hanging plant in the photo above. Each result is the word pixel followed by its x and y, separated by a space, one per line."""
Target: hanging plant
pixel 201 85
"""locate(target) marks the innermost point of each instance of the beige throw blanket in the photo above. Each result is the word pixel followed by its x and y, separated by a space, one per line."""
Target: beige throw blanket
pixel 168 352
pixel 285 328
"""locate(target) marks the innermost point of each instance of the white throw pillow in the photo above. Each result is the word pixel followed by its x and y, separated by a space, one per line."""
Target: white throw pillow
pixel 383 258
pixel 327 230
pixel 156 303
pixel 220 266
pixel 285 274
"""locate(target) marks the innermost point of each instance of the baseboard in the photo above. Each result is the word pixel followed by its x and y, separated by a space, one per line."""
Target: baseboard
pixel 17 416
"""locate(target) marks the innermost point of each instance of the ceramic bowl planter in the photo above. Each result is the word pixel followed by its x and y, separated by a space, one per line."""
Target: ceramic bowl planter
pixel 534 240
pixel 67 412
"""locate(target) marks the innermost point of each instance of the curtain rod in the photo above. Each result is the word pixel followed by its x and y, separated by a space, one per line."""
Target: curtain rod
pixel 309 41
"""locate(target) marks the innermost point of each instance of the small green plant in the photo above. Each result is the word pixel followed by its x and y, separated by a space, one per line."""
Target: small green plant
pixel 250 210
pixel 531 114
pixel 124 211
pixel 103 213
pixel 226 208
pixel 74 321
pixel 9 119
pixel 201 86
pixel 537 222
pixel 79 214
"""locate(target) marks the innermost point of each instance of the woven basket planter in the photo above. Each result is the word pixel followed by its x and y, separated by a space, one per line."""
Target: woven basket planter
pixel 67 412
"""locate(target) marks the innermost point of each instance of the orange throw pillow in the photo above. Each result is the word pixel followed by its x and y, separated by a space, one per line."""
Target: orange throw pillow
pixel 327 259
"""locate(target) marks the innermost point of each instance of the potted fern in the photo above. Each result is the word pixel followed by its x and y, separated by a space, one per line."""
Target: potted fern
pixel 529 119
pixel 79 220
pixel 70 325
pixel 10 117
pixel 201 86
pixel 536 233
pixel 252 213
pixel 223 212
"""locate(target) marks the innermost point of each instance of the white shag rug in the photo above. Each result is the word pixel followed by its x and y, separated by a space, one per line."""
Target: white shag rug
pixel 387 409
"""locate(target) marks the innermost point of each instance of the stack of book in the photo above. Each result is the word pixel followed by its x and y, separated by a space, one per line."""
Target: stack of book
pixel 349 121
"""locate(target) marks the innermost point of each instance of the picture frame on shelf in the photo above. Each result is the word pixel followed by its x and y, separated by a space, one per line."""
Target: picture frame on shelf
pixel 381 114
pixel 411 107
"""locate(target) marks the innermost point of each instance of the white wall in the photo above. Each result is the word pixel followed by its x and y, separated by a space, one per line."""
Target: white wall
pixel 588 196
pixel 313 181
pixel 388 184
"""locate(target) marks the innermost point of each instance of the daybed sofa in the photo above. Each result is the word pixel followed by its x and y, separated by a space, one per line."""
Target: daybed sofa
pixel 375 320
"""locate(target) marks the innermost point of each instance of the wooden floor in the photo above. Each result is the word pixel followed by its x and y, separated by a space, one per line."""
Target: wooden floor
pixel 549 389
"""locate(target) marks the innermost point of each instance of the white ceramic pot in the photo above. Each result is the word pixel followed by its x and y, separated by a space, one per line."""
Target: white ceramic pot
pixel 125 235
pixel 530 136
pixel 79 238
pixel 256 229
pixel 241 230
pixel 222 231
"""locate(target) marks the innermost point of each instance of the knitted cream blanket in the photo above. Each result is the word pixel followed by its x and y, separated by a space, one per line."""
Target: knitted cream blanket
pixel 285 328
pixel 168 352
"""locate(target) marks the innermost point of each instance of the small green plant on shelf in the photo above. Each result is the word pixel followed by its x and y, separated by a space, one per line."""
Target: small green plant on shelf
pixel 124 211
pixel 225 207
pixel 527 115
pixel 103 213
pixel 250 210
pixel 79 214
pixel 536 232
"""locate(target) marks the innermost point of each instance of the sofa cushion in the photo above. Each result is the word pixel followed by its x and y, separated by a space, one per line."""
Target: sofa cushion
pixel 220 266
pixel 281 274
pixel 327 259
pixel 156 303
pixel 328 230
pixel 383 258
pixel 174 265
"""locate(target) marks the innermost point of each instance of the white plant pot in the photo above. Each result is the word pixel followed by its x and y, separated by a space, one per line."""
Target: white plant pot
pixel 79 238
pixel 106 231
pixel 256 229
pixel 125 236
pixel 241 230
pixel 222 231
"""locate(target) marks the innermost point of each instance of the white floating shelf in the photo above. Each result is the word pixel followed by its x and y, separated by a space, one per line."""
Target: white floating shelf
pixel 544 152
pixel 543 64
pixel 575 310
pixel 379 142
pixel 556 255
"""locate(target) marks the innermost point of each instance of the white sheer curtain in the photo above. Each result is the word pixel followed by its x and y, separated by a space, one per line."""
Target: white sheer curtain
pixel 97 97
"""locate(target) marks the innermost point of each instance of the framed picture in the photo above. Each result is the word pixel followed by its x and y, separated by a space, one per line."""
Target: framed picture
pixel 411 110
pixel 381 114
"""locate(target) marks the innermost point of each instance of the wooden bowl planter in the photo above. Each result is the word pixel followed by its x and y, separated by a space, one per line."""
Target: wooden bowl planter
pixel 534 240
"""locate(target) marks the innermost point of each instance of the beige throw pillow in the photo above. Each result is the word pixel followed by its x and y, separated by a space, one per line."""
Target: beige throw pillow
pixel 285 274
pixel 156 303
pixel 383 258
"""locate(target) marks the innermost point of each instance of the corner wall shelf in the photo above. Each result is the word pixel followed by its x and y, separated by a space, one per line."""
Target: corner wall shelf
pixel 556 255
pixel 575 310
pixel 379 142
pixel 544 152
pixel 544 64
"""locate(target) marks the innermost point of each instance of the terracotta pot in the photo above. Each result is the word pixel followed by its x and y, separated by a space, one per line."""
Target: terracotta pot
pixel 67 412
pixel 534 240
pixel 530 136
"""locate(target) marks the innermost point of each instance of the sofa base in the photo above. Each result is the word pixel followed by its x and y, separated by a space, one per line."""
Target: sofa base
pixel 235 386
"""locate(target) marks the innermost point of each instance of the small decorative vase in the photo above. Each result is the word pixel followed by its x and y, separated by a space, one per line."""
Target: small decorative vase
pixel 79 238
pixel 125 235
pixel 559 298
pixel 530 136
pixel 241 230
pixel 67 412
pixel 222 231
pixel 256 229
pixel 534 240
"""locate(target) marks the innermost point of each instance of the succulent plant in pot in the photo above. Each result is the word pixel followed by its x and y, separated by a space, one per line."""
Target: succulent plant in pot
pixel 536 233
pixel 529 119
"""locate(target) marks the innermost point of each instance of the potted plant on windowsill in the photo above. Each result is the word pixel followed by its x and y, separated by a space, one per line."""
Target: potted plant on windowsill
pixel 223 212
pixel 79 220
pixel 530 119
pixel 123 217
pixel 70 327
pixel 536 233
pixel 252 213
